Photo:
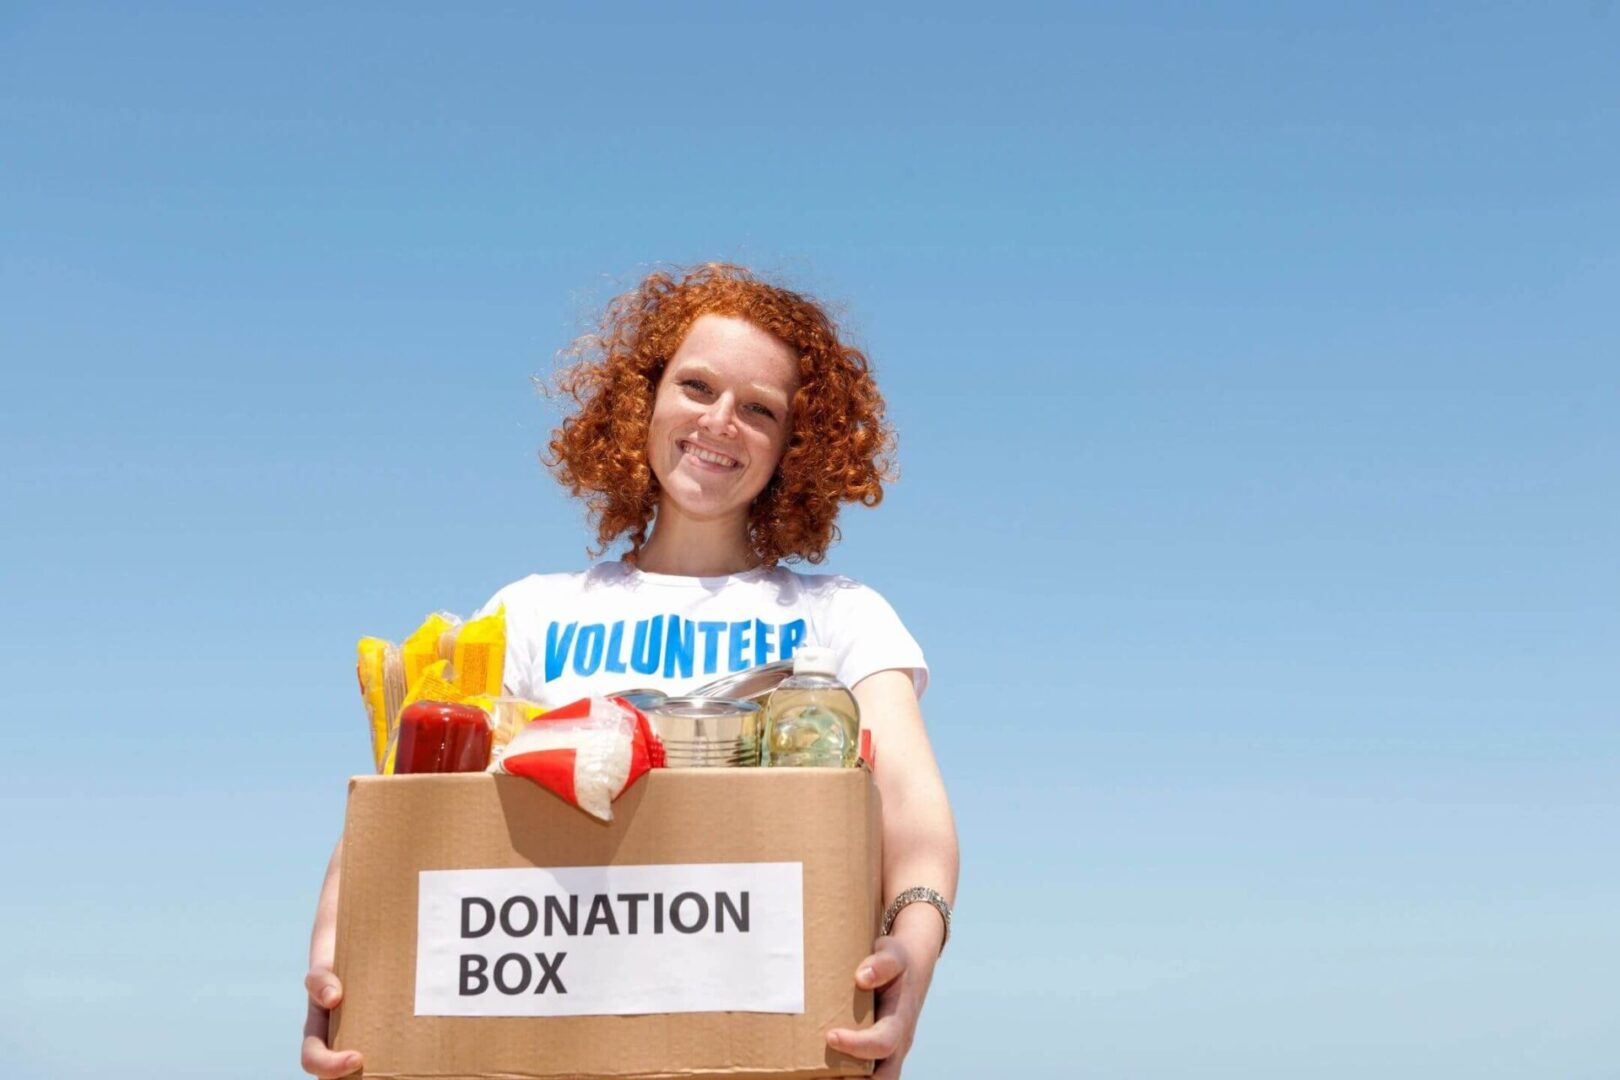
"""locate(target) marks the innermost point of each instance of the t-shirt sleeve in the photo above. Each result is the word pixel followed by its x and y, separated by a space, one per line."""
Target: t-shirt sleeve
pixel 867 636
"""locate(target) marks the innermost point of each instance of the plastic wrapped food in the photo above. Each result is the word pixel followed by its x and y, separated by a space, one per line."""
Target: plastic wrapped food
pixel 509 715
pixel 382 688
pixel 441 737
pixel 423 647
pixel 443 660
pixel 587 752
pixel 478 654
pixel 432 683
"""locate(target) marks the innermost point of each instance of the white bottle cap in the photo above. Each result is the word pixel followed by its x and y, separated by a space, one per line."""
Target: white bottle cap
pixel 814 660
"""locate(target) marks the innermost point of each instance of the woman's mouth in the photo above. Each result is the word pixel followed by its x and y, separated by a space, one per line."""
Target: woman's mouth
pixel 710 459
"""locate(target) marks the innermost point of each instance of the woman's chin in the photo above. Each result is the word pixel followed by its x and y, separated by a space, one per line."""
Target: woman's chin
pixel 693 502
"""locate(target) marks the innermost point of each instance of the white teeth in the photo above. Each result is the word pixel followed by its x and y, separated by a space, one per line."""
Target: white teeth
pixel 707 455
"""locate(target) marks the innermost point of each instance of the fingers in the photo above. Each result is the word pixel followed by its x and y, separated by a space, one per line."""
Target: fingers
pixel 322 1061
pixel 888 1039
pixel 880 1041
pixel 882 967
pixel 317 1058
pixel 324 988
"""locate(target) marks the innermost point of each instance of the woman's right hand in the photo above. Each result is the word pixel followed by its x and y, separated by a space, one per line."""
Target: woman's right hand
pixel 325 991
pixel 318 1058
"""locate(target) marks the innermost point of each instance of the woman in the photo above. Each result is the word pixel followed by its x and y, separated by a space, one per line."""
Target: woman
pixel 720 425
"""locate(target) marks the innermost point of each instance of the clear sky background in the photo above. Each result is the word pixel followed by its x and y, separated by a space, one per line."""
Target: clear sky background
pixel 1257 372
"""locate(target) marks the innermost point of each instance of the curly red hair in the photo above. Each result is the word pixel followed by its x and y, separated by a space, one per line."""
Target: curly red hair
pixel 837 452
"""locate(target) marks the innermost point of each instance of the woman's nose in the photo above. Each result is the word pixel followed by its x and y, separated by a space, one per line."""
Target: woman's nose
pixel 721 416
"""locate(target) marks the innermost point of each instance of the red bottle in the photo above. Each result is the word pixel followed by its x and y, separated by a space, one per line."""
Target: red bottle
pixel 437 737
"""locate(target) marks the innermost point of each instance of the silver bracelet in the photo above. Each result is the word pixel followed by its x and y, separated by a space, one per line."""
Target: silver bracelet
pixel 913 895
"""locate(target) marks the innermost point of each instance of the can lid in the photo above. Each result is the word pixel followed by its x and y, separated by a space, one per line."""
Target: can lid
pixel 641 697
pixel 755 682
pixel 704 707
pixel 814 660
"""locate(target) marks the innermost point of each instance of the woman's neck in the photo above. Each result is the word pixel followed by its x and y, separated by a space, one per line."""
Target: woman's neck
pixel 688 548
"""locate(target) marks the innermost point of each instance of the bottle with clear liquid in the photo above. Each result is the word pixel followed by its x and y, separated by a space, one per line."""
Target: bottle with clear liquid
pixel 811 718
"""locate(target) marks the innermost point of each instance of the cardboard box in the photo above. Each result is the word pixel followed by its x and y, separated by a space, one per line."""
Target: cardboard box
pixel 712 892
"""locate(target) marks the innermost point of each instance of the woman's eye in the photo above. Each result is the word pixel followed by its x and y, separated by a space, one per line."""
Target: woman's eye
pixel 696 385
pixel 764 411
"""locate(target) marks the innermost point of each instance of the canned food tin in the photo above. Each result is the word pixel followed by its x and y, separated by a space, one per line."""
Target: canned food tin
pixel 699 731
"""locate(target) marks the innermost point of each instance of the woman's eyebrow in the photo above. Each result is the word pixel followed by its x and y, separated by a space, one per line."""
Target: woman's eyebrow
pixel 775 393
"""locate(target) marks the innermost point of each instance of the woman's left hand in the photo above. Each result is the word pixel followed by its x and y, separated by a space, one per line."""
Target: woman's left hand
pixel 901 980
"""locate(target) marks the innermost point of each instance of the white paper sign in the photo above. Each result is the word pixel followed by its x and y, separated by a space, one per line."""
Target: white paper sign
pixel 583 940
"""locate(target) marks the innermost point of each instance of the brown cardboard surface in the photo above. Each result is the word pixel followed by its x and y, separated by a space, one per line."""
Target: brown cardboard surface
pixel 827 819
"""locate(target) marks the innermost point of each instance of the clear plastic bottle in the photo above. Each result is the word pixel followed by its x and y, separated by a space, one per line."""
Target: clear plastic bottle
pixel 811 718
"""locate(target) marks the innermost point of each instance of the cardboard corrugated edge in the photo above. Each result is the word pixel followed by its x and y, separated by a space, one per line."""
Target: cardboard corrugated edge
pixel 397 826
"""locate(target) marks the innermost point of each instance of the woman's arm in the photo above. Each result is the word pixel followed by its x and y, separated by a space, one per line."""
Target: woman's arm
pixel 919 848
pixel 324 989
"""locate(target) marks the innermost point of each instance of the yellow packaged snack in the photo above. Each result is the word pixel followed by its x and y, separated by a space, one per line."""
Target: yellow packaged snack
pixel 382 689
pixel 435 683
pixel 479 654
pixel 422 647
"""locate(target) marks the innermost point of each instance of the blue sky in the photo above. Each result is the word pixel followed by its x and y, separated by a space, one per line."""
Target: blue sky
pixel 1256 376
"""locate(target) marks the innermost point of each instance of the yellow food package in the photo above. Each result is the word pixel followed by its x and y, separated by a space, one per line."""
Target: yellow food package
pixel 435 684
pixel 422 647
pixel 479 654
pixel 382 689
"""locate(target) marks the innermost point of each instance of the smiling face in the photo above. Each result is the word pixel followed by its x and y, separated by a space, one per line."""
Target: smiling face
pixel 721 419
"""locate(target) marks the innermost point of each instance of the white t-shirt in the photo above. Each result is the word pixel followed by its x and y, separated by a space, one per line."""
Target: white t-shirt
pixel 613 627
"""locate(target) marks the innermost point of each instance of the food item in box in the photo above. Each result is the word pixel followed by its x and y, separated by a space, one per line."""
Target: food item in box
pixel 478 654
pixel 700 732
pixel 509 715
pixel 382 687
pixel 587 752
pixel 432 683
pixel 442 736
pixel 442 660
pixel 641 698
pixel 812 720
pixel 423 647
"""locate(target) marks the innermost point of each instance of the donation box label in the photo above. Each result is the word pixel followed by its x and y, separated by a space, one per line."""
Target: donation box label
pixel 596 940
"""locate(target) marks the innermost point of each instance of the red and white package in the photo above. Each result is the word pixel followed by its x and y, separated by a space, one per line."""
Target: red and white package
pixel 588 752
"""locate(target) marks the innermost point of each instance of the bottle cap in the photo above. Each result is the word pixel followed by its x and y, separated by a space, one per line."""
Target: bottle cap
pixel 814 660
